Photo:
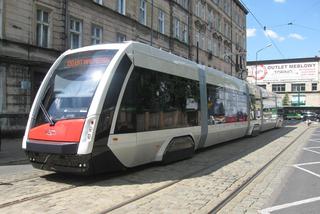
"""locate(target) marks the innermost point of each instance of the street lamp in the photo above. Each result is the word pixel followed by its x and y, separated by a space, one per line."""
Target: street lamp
pixel 257 60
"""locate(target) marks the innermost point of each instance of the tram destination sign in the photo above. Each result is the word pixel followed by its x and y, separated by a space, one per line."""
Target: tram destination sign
pixel 286 72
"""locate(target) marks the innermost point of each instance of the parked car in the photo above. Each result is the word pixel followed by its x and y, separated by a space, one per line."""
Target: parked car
pixel 309 116
pixel 293 116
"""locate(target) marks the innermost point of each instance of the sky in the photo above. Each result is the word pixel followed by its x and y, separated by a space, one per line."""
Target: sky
pixel 293 27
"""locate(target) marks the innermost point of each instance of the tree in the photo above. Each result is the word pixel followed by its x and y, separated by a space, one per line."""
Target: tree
pixel 285 101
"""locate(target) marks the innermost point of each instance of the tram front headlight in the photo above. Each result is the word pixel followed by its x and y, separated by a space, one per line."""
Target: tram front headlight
pixel 92 122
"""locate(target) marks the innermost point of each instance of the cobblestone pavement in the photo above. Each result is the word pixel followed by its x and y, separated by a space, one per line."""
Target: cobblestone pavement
pixel 206 180
pixel 257 195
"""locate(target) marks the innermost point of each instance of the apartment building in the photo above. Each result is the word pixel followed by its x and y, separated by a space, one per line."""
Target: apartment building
pixel 33 33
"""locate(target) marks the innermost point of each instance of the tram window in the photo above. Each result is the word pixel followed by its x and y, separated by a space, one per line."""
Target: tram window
pixel 253 115
pixel 216 110
pixel 226 105
pixel 269 108
pixel 112 96
pixel 69 93
pixel 154 100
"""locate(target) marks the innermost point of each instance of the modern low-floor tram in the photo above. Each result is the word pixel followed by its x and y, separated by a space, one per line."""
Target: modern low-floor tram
pixel 113 106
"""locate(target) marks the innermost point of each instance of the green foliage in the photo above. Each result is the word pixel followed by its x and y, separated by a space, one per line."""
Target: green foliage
pixel 285 101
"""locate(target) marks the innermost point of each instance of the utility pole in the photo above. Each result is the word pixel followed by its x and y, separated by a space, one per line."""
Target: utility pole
pixel 257 59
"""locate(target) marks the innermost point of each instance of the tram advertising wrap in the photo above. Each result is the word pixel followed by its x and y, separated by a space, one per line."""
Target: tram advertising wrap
pixel 114 106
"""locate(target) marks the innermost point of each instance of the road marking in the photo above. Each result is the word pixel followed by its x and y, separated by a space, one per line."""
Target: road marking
pixel 288 205
pixel 306 170
pixel 314 140
pixel 310 149
pixel 299 166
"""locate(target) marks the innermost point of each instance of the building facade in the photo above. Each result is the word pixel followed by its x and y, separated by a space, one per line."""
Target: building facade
pixel 296 80
pixel 33 33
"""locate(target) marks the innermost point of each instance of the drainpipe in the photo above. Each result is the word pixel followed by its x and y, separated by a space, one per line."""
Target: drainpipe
pixel 151 35
pixel 65 13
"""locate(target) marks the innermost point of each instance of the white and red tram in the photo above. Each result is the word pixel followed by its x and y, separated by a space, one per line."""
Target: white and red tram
pixel 113 106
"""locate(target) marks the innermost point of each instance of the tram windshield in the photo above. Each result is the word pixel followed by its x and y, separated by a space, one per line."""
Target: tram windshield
pixel 72 85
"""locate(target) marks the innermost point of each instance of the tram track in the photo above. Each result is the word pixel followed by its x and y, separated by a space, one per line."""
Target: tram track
pixel 230 158
pixel 96 180
pixel 92 180
pixel 12 181
pixel 249 180
pixel 221 162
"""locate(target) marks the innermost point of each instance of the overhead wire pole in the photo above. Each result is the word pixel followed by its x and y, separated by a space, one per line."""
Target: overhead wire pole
pixel 257 60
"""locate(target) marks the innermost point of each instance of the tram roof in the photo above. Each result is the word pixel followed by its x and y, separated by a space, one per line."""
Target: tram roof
pixel 222 78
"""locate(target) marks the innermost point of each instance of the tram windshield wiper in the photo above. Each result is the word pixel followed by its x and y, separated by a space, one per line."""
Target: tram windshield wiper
pixel 46 114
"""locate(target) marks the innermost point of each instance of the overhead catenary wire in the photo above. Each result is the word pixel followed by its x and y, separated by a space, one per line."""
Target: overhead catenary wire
pixel 306 27
pixel 263 27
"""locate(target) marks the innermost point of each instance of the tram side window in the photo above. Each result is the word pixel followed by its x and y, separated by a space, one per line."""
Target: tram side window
pixel 216 109
pixel 154 100
pixel 242 113
pixel 253 113
pixel 269 108
pixel 226 105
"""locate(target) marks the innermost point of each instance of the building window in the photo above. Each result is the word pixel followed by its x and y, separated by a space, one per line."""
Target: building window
pixel 298 100
pixel 278 87
pixel 161 21
pixel 200 10
pixel 185 33
pixel 75 33
pixel 314 86
pixel 42 28
pixel 202 41
pixel 263 86
pixel 218 24
pixel 183 3
pixel 219 53
pixel 210 20
pixel 121 37
pixel 298 87
pixel 197 38
pixel 210 45
pixel 122 6
pixel 96 35
pixel 98 1
pixel 143 12
pixel 176 28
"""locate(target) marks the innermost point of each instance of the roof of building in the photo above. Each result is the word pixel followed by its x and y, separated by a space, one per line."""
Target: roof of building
pixel 278 61
pixel 241 6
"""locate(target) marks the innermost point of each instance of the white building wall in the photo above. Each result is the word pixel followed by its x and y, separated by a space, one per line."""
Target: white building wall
pixel 288 73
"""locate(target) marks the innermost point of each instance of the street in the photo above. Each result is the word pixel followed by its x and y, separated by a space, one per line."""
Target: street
pixel 191 186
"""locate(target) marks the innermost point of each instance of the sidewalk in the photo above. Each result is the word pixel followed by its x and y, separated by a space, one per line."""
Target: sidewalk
pixel 11 152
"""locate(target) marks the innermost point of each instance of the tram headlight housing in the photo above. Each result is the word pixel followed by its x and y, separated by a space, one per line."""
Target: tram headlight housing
pixel 87 136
